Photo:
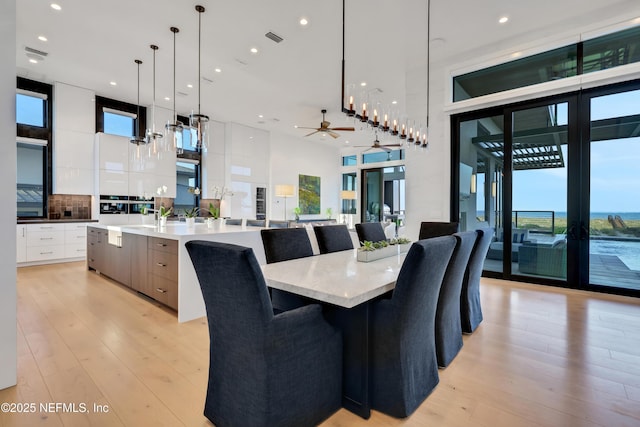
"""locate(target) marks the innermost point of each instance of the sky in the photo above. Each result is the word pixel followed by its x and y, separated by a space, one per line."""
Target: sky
pixel 615 182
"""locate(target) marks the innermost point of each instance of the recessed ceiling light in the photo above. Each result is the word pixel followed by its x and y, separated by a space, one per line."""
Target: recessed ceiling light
pixel 56 6
pixel 217 70
pixel 42 38
pixel 394 102
pixel 113 83
pixel 260 116
pixel 33 61
pixel 190 86
pixel 304 21
pixel 295 126
pixel 253 50
pixel 363 84
pixel 503 19
pixel 166 98
pixel 516 54
pixel 347 141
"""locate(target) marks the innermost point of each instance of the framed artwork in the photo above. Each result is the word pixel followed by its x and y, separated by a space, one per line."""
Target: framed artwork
pixel 309 194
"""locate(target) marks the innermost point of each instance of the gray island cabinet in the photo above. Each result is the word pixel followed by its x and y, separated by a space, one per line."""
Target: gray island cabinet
pixel 153 260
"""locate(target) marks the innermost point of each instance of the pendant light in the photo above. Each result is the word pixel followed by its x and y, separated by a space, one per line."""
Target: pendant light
pixel 137 155
pixel 199 121
pixel 173 130
pixel 154 137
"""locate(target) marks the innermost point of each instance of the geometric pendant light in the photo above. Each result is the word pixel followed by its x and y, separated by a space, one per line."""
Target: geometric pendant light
pixel 154 137
pixel 198 121
pixel 173 129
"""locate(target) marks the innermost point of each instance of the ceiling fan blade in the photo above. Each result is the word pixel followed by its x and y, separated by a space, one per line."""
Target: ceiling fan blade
pixel 304 127
pixel 345 129
pixel 312 133
pixel 391 145
pixel 333 134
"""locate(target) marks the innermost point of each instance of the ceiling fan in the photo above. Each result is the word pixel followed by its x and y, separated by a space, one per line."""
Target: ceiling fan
pixel 376 144
pixel 324 128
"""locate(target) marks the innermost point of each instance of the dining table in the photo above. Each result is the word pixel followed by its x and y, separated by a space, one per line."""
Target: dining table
pixel 346 288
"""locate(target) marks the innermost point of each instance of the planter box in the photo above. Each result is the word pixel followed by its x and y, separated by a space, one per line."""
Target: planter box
pixel 367 256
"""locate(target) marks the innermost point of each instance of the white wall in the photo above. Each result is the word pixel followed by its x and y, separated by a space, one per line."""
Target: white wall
pixel 8 337
pixel 290 157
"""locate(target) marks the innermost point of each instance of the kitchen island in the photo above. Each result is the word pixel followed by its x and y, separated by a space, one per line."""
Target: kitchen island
pixel 154 261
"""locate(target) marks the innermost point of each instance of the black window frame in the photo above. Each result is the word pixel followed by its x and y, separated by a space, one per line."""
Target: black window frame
pixel 43 133
pixel 141 116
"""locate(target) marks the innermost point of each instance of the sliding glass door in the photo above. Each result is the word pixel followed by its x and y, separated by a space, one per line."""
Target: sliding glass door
pixel 614 197
pixel 557 181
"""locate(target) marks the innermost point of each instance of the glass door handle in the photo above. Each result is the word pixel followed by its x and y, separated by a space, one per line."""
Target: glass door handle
pixel 571 232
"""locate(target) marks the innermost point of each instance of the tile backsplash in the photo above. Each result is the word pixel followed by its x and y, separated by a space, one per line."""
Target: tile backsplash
pixel 69 206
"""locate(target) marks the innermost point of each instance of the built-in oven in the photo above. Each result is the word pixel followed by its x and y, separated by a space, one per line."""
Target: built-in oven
pixel 139 205
pixel 110 204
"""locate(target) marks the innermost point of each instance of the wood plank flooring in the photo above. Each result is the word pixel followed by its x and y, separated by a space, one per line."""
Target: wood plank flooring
pixel 542 357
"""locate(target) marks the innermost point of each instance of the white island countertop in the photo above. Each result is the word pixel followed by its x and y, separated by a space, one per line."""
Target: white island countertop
pixel 190 302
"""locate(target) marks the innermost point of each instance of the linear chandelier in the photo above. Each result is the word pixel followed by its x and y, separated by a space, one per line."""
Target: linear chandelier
pixel 199 121
pixel 385 119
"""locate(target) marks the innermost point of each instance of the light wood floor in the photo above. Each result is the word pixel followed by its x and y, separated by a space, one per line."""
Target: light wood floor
pixel 542 357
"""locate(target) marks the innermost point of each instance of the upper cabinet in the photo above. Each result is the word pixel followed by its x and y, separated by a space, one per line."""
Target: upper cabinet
pixel 73 133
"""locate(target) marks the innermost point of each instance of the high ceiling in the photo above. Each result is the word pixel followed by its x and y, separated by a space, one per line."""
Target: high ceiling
pixel 92 43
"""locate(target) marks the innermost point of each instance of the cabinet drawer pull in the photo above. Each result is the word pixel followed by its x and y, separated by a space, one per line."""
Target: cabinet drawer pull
pixel 46 238
pixel 161 244
pixel 162 291
pixel 46 253
pixel 159 264
pixel 45 228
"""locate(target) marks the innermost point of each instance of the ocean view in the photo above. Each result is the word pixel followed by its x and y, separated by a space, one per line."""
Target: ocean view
pixel 563 215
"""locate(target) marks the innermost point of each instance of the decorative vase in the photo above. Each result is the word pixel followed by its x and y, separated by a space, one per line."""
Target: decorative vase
pixel 190 222
pixel 146 219
pixel 214 224
pixel 162 222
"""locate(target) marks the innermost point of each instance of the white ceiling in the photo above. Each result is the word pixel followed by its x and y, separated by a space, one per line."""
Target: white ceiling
pixel 91 43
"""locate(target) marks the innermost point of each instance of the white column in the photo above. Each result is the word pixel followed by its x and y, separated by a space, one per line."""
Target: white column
pixel 8 337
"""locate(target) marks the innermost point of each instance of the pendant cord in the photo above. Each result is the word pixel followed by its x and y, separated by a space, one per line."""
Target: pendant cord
pixel 428 55
pixel 175 117
pixel 199 53
pixel 138 105
pixel 343 50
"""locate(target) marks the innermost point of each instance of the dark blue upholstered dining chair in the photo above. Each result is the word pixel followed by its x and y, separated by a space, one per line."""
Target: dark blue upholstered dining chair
pixel 333 238
pixel 233 221
pixel 370 231
pixel 273 223
pixel 256 223
pixel 283 244
pixel 448 324
pixel 264 370
pixel 437 229
pixel 403 365
pixel 470 308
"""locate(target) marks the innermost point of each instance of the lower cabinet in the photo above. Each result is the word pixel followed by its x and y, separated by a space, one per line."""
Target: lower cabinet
pixel 162 269
pixel 148 265
pixel 50 242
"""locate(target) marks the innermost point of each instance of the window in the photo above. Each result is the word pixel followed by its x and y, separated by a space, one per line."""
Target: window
pixel 31 108
pixel 186 182
pixel 349 160
pixel 383 156
pixel 117 123
pixel 119 118
pixel 34 151
pixel 600 53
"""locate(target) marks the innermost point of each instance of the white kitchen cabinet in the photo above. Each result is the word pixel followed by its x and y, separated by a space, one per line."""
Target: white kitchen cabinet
pixel 112 152
pixel 49 242
pixel 75 240
pixel 113 182
pixel 45 242
pixel 74 129
pixel 21 243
